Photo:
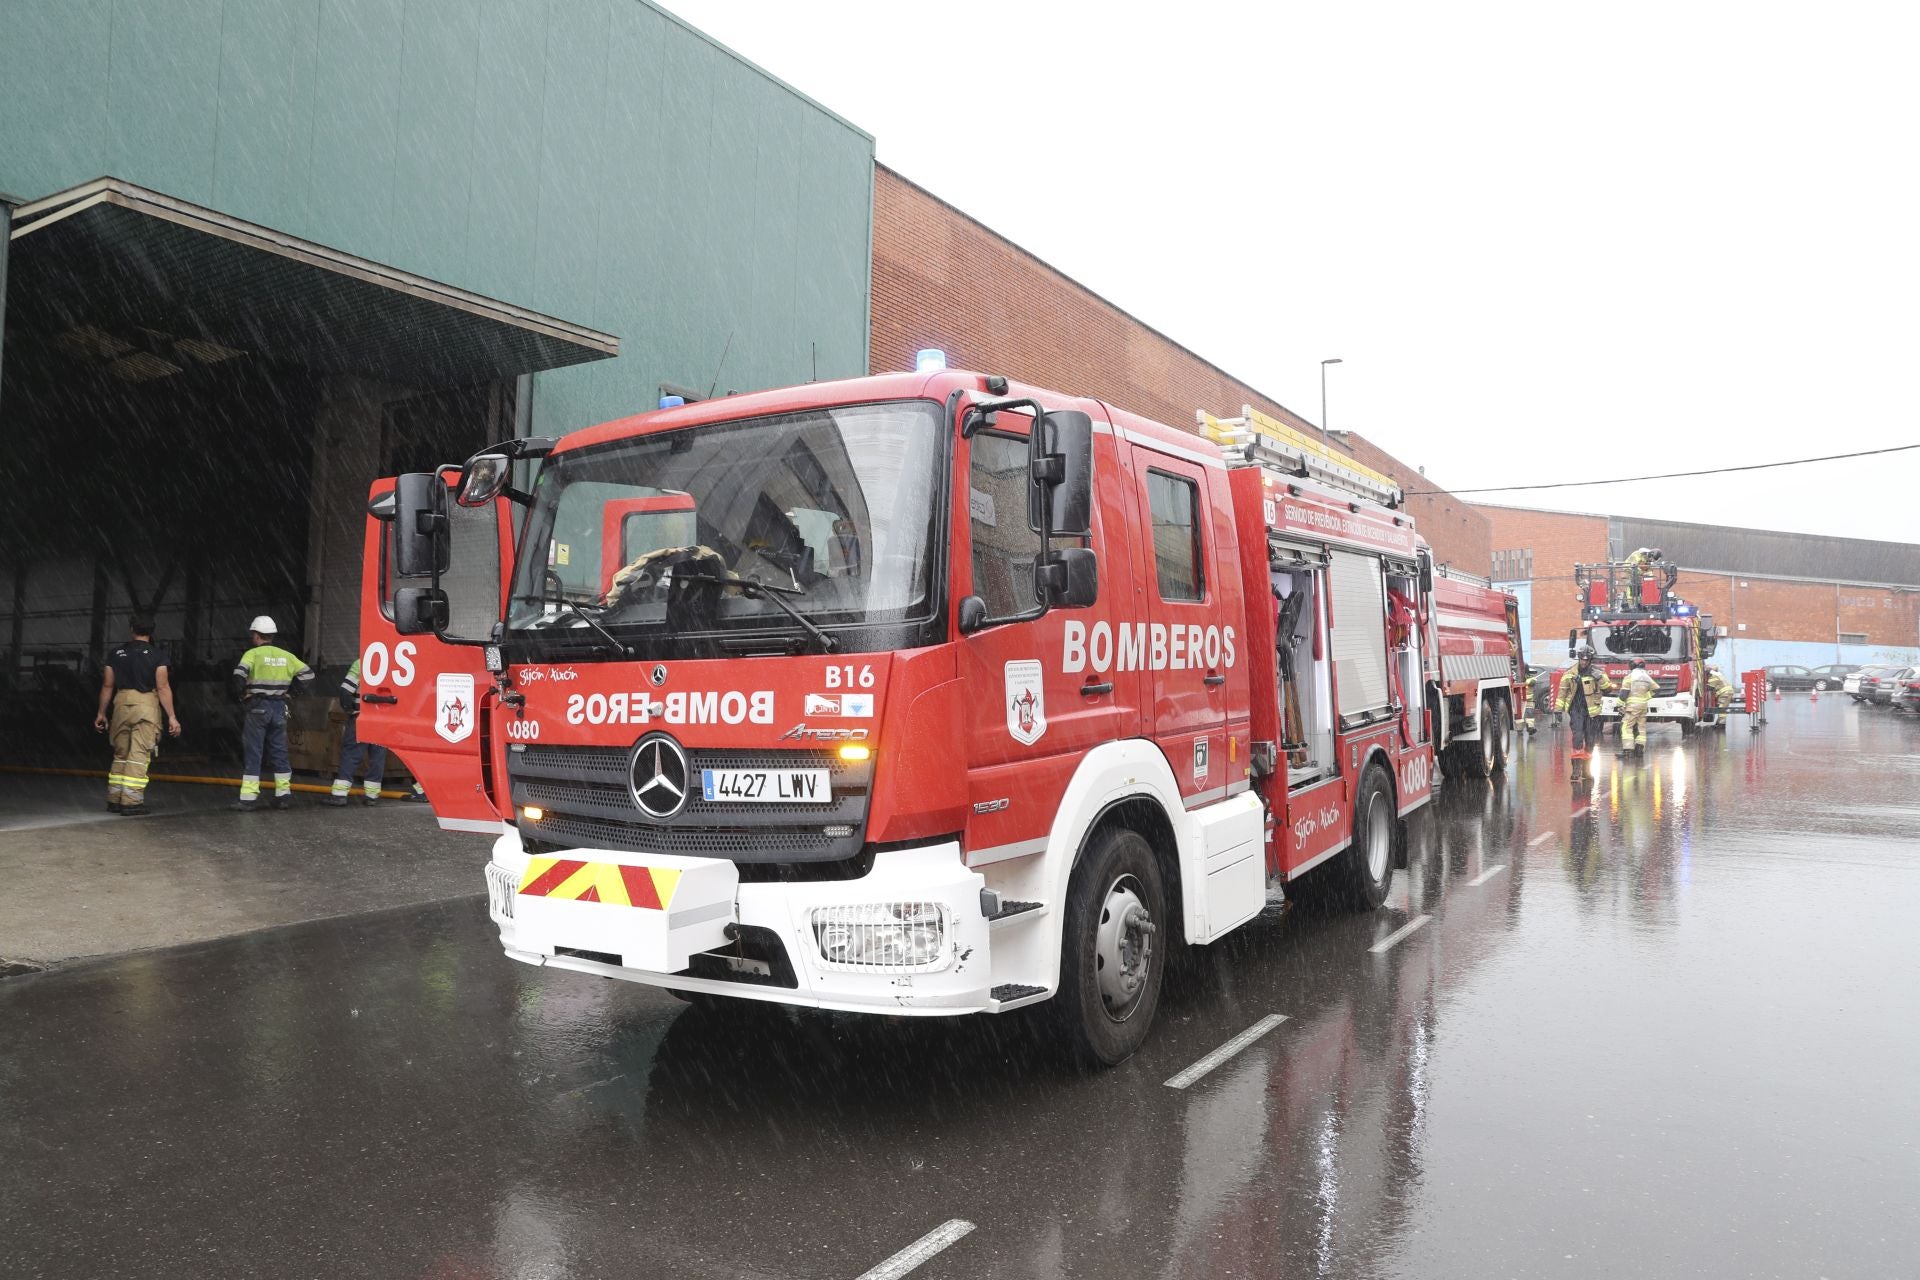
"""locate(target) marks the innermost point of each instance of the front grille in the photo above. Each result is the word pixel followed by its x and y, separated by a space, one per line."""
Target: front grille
pixel 588 804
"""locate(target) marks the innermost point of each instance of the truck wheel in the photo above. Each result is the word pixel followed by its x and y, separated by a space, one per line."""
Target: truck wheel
pixel 1113 950
pixel 1493 734
pixel 1358 879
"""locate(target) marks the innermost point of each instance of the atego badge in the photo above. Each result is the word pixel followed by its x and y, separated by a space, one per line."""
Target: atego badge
pixel 453 705
pixel 1026 702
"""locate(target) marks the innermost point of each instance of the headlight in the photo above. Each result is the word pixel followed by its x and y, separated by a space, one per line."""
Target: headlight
pixel 882 935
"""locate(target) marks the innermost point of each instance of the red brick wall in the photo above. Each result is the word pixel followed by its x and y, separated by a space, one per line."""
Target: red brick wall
pixel 1558 542
pixel 940 279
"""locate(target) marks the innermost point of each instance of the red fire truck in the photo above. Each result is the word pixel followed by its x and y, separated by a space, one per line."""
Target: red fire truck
pixel 1630 611
pixel 1482 674
pixel 918 693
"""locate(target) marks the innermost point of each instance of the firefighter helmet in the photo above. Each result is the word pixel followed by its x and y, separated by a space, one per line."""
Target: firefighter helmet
pixel 1583 652
pixel 1639 663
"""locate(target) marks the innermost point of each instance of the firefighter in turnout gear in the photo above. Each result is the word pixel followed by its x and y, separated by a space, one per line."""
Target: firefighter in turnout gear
pixel 266 676
pixel 134 692
pixel 1583 712
pixel 1639 565
pixel 1636 695
pixel 1719 694
pixel 353 751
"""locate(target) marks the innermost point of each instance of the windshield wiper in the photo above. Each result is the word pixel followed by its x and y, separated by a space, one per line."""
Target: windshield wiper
pixel 619 650
pixel 753 589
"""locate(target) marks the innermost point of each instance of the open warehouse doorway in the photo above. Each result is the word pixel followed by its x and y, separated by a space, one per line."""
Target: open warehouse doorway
pixel 191 409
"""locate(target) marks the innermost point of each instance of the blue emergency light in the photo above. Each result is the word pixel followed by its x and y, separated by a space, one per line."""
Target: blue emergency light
pixel 929 360
pixel 672 402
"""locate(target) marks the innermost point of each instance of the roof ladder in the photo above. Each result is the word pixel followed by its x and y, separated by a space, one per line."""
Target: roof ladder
pixel 1254 439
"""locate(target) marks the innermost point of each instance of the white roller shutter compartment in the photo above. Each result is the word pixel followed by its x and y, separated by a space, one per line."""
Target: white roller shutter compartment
pixel 1359 632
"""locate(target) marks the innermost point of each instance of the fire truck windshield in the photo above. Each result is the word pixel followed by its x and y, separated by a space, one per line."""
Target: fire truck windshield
pixel 832 509
pixel 1624 642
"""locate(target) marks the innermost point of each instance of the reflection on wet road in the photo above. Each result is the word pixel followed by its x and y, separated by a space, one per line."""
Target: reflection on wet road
pixel 1663 1024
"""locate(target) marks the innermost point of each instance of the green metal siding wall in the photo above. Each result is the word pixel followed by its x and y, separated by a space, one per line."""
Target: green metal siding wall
pixel 594 159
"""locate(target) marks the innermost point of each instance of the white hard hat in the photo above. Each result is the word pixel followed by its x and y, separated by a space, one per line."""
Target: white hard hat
pixel 264 625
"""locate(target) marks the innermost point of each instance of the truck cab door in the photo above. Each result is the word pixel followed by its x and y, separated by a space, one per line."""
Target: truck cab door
pixel 427 701
pixel 1189 650
pixel 1040 692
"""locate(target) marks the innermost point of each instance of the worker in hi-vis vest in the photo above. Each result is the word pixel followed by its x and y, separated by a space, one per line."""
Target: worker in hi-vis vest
pixel 353 752
pixel 265 676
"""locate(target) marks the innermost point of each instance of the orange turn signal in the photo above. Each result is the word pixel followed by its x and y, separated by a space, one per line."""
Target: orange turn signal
pixel 856 751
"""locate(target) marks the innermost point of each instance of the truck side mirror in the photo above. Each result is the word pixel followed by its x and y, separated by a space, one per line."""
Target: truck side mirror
pixel 1060 453
pixel 1426 575
pixel 1573 639
pixel 973 614
pixel 1069 578
pixel 421 544
pixel 419 611
pixel 483 479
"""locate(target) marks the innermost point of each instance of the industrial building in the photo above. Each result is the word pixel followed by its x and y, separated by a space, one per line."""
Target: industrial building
pixel 1776 598
pixel 260 252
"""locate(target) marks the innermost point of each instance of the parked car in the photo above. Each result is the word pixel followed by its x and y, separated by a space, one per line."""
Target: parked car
pixel 1790 679
pixel 1855 685
pixel 1881 690
pixel 1833 675
pixel 1906 697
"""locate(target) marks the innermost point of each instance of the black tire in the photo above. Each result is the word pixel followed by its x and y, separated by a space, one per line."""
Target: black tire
pixel 1487 755
pixel 1494 721
pixel 1101 1015
pixel 1686 728
pixel 1359 878
pixel 1822 685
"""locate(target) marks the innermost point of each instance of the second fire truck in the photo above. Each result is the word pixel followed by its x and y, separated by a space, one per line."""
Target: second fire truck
pixel 918 694
pixel 1630 611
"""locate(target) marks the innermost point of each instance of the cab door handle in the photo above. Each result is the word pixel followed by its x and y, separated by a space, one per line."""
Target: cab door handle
pixel 1095 690
pixel 379 698
pixel 1214 679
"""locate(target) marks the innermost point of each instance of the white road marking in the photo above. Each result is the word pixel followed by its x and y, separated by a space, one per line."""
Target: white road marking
pixel 1485 876
pixel 1226 1051
pixel 1387 943
pixel 1540 839
pixel 919 1251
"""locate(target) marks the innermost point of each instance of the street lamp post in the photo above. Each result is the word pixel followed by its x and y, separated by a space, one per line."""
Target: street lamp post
pixel 1324 435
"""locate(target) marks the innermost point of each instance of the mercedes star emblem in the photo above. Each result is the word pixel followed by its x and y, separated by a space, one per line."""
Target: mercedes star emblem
pixel 659 674
pixel 658 776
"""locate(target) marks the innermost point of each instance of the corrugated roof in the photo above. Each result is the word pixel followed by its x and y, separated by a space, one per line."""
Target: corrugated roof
pixel 117 256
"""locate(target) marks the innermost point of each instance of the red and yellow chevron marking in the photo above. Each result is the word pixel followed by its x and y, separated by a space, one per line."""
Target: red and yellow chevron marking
pixel 614 882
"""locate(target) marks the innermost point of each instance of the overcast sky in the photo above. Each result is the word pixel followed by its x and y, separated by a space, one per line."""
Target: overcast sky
pixel 1547 241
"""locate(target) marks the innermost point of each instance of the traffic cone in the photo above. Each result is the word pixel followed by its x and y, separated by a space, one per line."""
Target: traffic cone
pixel 1814 694
pixel 1776 693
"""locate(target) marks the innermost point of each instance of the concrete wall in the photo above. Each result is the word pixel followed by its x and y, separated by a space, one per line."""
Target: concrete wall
pixel 941 279
pixel 596 160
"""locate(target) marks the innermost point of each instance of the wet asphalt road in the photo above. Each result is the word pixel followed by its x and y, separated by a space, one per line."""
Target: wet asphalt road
pixel 1665 1025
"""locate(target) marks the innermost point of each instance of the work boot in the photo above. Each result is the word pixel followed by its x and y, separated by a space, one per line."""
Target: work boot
pixel 337 802
pixel 113 806
pixel 370 801
pixel 245 806
pixel 283 803
pixel 414 797
pixel 133 811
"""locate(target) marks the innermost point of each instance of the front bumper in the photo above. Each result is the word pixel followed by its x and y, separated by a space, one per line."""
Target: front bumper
pixel 960 980
pixel 1678 707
